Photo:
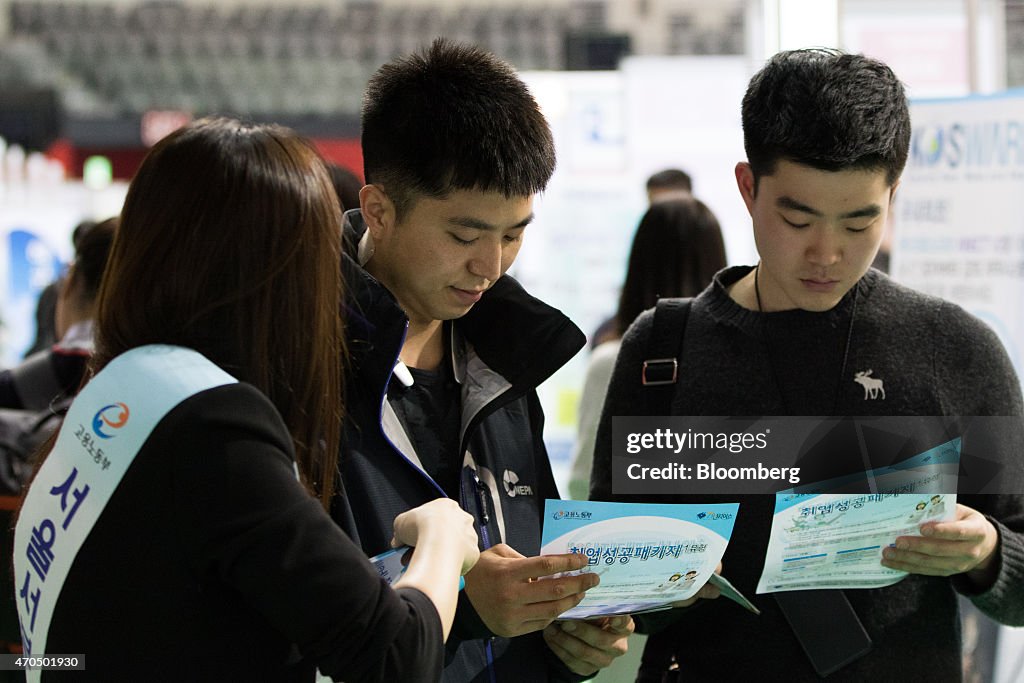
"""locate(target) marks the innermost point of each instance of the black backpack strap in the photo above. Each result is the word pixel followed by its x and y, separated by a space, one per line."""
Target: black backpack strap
pixel 660 372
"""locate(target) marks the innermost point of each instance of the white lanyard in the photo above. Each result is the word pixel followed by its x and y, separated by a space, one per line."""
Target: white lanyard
pixel 103 431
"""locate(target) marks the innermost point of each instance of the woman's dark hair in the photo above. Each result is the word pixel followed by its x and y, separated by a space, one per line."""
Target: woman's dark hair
pixel 92 247
pixel 230 244
pixel 346 184
pixel 677 249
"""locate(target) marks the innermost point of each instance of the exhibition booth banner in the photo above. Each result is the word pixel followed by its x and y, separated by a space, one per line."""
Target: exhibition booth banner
pixel 958 228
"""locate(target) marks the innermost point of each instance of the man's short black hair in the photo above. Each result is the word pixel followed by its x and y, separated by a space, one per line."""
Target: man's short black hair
pixel 828 110
pixel 670 179
pixel 453 117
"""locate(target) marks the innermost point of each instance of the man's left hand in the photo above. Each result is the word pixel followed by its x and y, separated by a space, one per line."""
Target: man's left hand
pixel 588 646
pixel 966 544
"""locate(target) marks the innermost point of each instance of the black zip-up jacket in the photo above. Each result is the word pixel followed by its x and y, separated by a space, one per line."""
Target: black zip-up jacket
pixel 506 345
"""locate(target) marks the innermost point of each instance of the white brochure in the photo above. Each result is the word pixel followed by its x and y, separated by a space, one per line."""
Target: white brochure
pixel 647 556
pixel 835 540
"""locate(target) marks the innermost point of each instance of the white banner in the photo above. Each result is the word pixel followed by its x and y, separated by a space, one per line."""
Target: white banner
pixel 959 228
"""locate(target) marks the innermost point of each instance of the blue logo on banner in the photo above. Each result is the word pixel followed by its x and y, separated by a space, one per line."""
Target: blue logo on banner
pixel 927 145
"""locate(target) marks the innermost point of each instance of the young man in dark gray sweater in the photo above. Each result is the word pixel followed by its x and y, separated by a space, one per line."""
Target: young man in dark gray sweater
pixel 827 136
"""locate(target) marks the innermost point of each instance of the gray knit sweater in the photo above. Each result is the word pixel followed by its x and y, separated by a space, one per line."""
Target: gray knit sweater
pixel 934 359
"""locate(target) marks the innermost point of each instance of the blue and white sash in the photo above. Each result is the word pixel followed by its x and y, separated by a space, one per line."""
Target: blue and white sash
pixel 104 429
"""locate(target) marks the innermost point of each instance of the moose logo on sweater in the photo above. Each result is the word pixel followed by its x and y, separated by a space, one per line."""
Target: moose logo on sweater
pixel 873 388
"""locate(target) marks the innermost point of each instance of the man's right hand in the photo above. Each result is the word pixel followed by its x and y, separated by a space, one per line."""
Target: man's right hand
pixel 512 595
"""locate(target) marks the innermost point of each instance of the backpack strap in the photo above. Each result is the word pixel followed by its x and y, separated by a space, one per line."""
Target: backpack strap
pixel 660 372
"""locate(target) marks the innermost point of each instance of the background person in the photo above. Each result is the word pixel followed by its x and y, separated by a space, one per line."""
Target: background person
pixel 672 183
pixel 46 305
pixel 56 372
pixel 668 185
pixel 677 249
pixel 346 184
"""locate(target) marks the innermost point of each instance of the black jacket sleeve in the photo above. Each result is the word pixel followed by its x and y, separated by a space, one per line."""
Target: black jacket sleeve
pixel 247 520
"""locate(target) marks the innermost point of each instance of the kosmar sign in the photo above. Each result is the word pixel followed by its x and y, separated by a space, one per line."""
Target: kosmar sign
pixel 978 144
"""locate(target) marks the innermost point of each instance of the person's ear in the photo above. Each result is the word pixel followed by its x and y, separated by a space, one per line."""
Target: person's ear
pixel 378 210
pixel 892 191
pixel 745 183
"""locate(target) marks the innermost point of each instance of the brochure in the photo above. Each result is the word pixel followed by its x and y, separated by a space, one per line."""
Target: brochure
pixel 647 555
pixel 822 539
pixel 391 564
pixel 730 591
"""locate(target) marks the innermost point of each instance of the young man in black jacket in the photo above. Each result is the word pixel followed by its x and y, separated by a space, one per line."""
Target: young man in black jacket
pixel 447 352
pixel 812 330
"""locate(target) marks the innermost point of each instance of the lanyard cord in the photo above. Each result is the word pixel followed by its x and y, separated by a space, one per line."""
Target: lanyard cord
pixel 768 347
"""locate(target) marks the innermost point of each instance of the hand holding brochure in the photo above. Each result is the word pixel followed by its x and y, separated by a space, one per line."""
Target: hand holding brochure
pixel 647 556
pixel 391 564
pixel 827 539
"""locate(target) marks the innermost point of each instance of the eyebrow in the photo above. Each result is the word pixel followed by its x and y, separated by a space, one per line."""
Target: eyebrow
pixel 477 224
pixel 790 203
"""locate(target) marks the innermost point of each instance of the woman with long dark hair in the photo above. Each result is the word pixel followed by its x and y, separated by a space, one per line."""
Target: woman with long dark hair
pixel 676 251
pixel 177 527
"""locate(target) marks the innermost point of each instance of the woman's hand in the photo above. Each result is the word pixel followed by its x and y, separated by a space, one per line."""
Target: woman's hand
pixel 442 522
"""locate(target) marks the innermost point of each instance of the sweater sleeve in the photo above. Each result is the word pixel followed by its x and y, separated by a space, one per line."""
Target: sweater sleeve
pixel 986 385
pixel 1004 600
pixel 248 522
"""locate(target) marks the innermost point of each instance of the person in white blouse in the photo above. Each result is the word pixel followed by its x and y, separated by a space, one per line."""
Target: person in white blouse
pixel 676 251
